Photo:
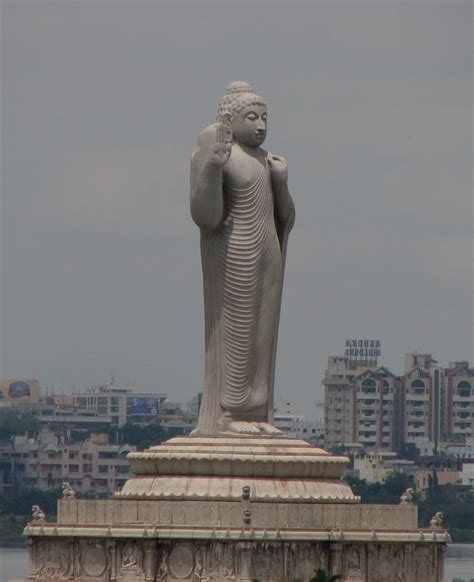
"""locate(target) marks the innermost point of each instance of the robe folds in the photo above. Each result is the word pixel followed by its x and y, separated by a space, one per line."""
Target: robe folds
pixel 243 263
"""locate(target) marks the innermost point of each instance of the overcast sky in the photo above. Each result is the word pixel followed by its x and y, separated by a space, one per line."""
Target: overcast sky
pixel 102 103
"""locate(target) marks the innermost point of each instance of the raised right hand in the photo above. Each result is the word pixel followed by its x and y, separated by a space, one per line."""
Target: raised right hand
pixel 221 146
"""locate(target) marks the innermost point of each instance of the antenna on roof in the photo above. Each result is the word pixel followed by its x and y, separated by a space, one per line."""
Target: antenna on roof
pixel 112 377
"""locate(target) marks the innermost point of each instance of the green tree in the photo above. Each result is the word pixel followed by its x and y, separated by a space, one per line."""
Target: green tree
pixel 433 486
pixel 458 514
pixel 142 436
pixel 396 483
pixel 409 451
pixel 358 486
pixel 15 422
pixel 19 502
pixel 387 492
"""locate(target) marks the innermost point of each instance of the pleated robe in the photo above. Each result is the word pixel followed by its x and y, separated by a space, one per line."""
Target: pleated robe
pixel 243 264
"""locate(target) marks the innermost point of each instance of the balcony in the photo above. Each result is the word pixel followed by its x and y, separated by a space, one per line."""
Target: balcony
pixel 464 427
pixel 367 396
pixel 416 414
pixel 367 434
pixel 463 415
pixel 369 411
pixel 418 434
pixel 460 397
pixel 420 397
pixel 416 404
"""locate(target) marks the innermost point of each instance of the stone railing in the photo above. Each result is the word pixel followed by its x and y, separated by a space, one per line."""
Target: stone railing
pixel 225 514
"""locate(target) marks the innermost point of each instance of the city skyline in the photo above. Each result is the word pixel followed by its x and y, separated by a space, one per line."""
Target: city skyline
pixel 371 106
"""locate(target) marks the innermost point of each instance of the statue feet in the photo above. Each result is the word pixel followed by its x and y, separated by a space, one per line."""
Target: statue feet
pixel 241 427
pixel 269 428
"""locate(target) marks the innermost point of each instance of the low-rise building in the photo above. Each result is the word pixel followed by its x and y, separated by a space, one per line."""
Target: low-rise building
pixel 46 462
pixel 425 478
pixel 375 466
pixel 121 403
pixel 467 474
pixel 297 426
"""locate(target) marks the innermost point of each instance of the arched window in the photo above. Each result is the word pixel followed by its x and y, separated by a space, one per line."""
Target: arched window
pixel 367 383
pixel 417 384
pixel 367 386
pixel 464 388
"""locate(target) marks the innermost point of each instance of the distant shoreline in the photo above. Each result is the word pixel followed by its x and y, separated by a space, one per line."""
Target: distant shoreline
pixel 14 544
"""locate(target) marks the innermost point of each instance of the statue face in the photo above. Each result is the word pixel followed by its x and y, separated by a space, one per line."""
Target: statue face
pixel 250 126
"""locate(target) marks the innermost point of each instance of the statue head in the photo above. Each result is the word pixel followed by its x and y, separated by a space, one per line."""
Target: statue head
pixel 246 112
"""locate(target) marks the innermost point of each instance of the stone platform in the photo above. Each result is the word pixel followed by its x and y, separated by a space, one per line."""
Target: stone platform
pixel 234 509
pixel 217 469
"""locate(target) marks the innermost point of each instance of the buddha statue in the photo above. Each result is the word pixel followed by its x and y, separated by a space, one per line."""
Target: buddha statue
pixel 241 203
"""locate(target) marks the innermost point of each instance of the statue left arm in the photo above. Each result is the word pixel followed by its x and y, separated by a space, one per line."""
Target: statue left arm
pixel 284 207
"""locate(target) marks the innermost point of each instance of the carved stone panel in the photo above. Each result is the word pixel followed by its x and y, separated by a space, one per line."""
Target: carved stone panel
pixel 68 511
pixel 293 516
pixel 224 515
pixel 147 559
pixel 165 513
pixel 181 562
pixel 91 512
pixel 425 560
pixel 221 561
pixel 93 558
pixel 100 508
pixel 131 568
pixel 266 515
pixel 353 564
pixel 117 509
pixel 129 511
pixel 305 559
pixel 81 511
pixel 179 514
pixel 109 512
pixel 192 514
pixel 267 564
pixel 52 559
pixel 317 520
pixel 208 515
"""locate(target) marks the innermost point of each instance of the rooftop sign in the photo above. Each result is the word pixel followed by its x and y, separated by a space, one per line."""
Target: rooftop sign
pixel 363 352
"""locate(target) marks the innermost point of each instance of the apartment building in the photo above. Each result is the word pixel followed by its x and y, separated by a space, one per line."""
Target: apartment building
pixel 45 462
pixel 421 400
pixel 379 410
pixel 361 405
pixel 459 401
pixel 339 402
pixel 438 402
